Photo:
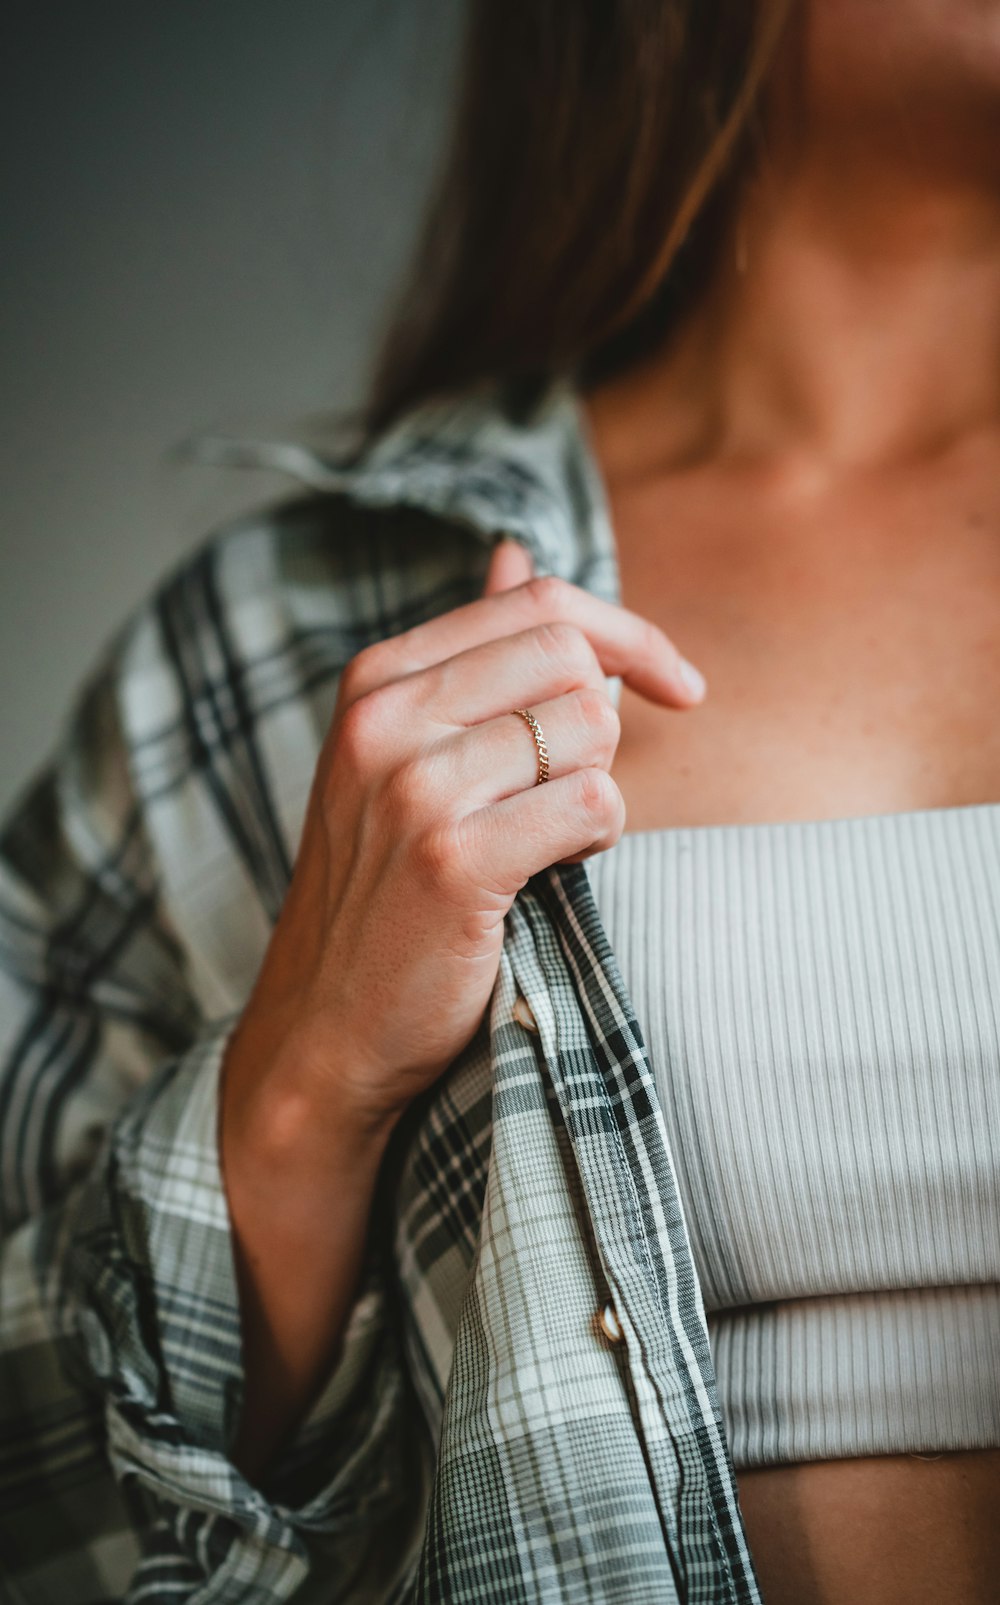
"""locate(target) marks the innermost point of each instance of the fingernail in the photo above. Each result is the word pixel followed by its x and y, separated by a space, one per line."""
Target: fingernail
pixel 692 677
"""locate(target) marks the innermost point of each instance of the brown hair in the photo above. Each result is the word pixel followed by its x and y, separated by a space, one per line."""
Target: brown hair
pixel 592 168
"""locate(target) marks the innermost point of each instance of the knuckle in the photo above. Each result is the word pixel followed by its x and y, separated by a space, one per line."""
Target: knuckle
pixel 359 673
pixel 438 854
pixel 598 796
pixel 566 643
pixel 363 728
pixel 599 714
pixel 412 789
pixel 547 593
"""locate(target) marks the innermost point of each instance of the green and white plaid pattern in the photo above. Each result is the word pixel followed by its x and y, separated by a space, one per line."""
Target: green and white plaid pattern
pixel 482 1437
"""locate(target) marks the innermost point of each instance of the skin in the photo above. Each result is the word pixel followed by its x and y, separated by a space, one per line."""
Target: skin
pixel 804 491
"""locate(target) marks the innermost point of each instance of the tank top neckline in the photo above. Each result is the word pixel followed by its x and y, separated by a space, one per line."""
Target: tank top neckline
pixel 901 816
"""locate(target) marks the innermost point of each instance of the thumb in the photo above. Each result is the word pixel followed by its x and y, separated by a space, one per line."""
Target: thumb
pixel 510 564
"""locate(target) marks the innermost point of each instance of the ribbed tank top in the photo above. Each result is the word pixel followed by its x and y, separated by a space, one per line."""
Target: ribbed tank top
pixel 821 1005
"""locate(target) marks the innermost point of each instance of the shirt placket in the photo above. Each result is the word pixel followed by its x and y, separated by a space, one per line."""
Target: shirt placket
pixel 645 1298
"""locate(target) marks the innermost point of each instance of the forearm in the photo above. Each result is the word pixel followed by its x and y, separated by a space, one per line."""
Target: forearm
pixel 300 1193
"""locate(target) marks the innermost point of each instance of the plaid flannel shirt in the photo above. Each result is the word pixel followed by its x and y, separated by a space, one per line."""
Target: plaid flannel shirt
pixel 524 1407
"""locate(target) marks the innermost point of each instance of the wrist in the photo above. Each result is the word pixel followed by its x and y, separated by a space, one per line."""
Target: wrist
pixel 286 1112
pixel 285 1129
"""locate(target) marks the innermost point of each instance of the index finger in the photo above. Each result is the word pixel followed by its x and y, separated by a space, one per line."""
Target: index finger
pixel 624 642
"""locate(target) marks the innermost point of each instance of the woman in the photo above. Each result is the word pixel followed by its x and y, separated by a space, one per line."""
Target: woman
pixel 767 367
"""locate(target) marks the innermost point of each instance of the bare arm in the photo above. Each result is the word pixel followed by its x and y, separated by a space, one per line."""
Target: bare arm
pixel 300 1213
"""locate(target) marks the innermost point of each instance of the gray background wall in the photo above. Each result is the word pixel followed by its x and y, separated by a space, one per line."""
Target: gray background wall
pixel 206 207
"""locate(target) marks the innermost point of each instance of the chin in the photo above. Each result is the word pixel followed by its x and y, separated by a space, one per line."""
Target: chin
pixel 924 56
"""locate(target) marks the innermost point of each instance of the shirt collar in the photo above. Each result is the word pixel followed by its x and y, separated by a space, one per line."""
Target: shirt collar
pixel 472 459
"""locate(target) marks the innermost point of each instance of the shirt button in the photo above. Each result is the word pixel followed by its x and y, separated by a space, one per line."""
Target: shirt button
pixel 607 1320
pixel 523 1014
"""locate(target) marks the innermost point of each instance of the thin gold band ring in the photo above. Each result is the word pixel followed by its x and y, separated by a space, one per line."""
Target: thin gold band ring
pixel 542 749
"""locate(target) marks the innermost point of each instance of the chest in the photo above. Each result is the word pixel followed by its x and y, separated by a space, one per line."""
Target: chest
pixel 851 646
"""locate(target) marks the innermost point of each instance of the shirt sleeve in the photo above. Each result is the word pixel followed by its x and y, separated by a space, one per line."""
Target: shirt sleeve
pixel 120 1349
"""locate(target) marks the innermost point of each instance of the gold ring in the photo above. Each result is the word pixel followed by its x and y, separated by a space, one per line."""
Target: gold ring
pixel 542 749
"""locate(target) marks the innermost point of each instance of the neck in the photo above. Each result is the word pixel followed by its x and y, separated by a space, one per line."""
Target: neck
pixel 854 319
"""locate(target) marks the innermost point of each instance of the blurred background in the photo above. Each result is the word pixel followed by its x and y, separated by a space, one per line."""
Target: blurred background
pixel 206 211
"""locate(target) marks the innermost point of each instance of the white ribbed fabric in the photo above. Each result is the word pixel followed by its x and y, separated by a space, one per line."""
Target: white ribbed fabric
pixel 821 1004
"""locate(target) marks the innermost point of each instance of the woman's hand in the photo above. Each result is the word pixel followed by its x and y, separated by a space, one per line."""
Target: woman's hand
pixel 425 820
